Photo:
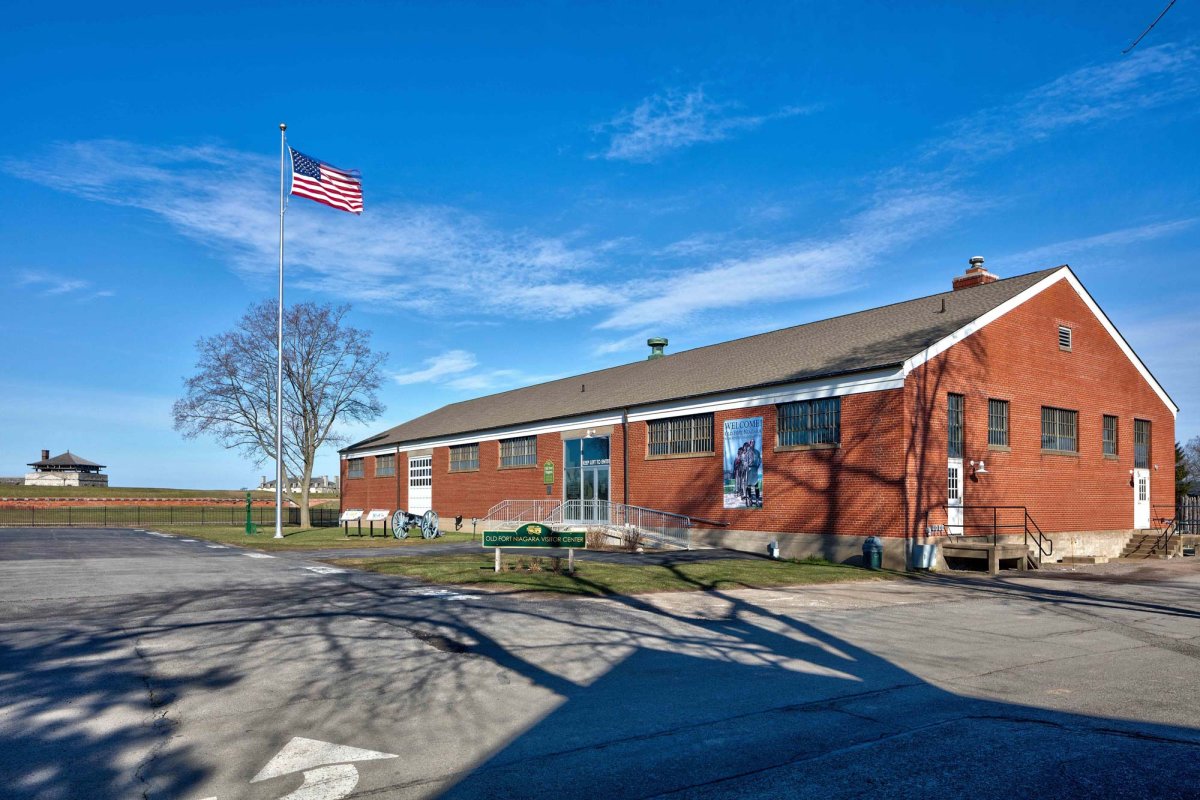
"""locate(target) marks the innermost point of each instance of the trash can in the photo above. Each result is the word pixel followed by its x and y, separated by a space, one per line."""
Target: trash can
pixel 873 553
pixel 924 556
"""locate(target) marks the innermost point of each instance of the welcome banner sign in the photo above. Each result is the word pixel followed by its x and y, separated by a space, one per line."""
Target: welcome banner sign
pixel 743 463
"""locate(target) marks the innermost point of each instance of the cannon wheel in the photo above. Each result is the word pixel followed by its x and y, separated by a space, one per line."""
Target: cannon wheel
pixel 429 525
pixel 400 524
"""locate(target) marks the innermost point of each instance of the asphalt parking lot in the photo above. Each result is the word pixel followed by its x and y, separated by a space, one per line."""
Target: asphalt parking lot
pixel 135 664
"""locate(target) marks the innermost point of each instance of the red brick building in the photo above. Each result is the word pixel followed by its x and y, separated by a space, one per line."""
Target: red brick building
pixel 900 421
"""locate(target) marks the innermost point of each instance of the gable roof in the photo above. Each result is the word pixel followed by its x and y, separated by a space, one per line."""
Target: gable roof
pixel 66 460
pixel 879 337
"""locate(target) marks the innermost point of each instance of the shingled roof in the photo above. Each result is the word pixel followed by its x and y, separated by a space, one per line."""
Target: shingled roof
pixel 65 461
pixel 866 340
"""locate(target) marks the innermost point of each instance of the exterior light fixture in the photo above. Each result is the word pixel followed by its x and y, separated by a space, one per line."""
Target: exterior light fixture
pixel 978 468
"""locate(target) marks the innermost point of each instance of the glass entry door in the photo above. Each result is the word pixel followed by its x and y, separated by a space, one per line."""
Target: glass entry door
pixel 585 479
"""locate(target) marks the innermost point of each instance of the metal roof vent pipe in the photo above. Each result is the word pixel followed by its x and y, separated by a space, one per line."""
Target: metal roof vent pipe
pixel 657 344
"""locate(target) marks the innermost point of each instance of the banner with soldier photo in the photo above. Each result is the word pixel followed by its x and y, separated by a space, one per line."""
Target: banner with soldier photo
pixel 743 463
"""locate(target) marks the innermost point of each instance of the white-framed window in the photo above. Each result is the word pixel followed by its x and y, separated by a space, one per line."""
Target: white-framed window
pixel 1060 430
pixel 519 452
pixel 385 466
pixel 953 490
pixel 680 435
pixel 809 422
pixel 354 468
pixel 420 471
pixel 464 457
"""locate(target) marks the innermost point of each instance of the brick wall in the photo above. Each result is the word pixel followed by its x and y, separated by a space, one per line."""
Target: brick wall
pixel 853 489
pixel 1017 358
pixel 372 491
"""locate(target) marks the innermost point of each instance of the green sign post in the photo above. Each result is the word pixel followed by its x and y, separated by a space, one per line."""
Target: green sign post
pixel 251 528
pixel 548 476
pixel 535 534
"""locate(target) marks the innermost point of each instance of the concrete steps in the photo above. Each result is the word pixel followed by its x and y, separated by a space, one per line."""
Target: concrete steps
pixel 1144 545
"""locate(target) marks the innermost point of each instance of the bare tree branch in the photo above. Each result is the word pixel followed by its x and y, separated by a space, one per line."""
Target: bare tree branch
pixel 330 376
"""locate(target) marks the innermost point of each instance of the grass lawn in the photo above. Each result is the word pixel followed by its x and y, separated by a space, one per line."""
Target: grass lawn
pixel 131 491
pixel 598 578
pixel 297 539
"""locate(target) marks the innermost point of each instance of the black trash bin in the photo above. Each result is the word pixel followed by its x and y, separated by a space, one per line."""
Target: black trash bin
pixel 873 553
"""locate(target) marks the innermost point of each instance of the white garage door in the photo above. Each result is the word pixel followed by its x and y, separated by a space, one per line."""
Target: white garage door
pixel 420 484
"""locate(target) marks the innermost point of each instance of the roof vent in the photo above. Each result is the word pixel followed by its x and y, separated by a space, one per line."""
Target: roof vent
pixel 657 344
pixel 976 275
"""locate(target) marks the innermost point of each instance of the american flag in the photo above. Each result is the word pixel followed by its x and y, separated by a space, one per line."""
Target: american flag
pixel 318 181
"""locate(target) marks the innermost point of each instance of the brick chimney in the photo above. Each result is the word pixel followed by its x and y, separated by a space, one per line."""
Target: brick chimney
pixel 976 275
pixel 45 455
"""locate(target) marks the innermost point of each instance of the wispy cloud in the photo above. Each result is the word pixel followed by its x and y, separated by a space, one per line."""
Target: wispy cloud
pixel 674 120
pixel 457 369
pixel 420 257
pixel 439 367
pixel 50 284
pixel 1064 251
pixel 1099 93
pixel 800 270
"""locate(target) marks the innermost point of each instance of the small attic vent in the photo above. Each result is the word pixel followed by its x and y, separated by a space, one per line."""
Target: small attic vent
pixel 1064 337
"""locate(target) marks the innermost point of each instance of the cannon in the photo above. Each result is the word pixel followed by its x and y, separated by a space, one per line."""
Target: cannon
pixel 402 521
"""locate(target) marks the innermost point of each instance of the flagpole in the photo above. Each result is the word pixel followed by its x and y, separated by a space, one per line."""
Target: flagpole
pixel 279 351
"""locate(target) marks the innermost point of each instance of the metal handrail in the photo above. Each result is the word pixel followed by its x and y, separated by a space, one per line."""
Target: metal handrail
pixel 1039 537
pixel 1164 538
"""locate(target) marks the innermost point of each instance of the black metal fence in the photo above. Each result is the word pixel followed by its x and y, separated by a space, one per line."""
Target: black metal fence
pixel 122 516
pixel 1187 514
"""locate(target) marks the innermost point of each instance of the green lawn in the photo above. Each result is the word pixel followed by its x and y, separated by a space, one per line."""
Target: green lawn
pixel 533 573
pixel 296 538
pixel 132 491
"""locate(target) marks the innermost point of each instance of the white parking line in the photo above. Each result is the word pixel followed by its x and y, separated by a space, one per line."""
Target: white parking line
pixel 160 535
pixel 257 555
pixel 216 547
pixel 325 570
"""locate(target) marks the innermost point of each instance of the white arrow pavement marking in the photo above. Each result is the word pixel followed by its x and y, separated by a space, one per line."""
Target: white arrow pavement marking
pixel 326 783
pixel 302 754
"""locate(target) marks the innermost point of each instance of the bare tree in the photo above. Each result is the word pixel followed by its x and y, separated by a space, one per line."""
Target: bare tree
pixel 330 375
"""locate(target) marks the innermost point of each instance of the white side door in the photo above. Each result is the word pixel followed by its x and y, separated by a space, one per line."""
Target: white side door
pixel 954 497
pixel 420 484
pixel 1141 498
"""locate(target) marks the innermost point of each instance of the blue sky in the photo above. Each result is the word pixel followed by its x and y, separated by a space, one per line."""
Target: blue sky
pixel 548 184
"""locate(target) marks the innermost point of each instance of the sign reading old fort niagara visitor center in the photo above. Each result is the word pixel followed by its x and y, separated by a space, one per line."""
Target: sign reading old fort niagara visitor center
pixel 535 534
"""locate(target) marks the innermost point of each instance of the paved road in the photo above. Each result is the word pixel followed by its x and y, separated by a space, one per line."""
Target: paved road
pixel 135 665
